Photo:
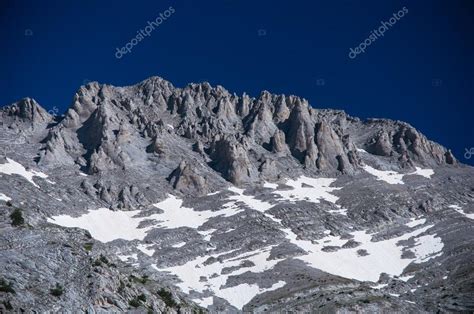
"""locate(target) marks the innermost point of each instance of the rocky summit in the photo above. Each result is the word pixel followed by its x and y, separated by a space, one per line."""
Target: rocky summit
pixel 152 198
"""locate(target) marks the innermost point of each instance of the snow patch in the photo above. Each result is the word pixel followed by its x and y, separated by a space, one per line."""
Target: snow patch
pixel 427 173
pixel 309 189
pixel 106 225
pixel 393 177
pixel 415 222
pixel 176 216
pixel 427 247
pixel 178 245
pixel 197 276
pixel 459 210
pixel 406 278
pixel 125 258
pixel 269 185
pixel 380 286
pixel 145 249
pixel 12 167
pixel 5 198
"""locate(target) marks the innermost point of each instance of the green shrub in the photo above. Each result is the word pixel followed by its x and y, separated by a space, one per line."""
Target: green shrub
pixel 88 246
pixel 6 286
pixel 142 280
pixel 121 287
pixel 101 260
pixel 7 305
pixel 104 259
pixel 57 291
pixel 137 301
pixel 167 297
pixel 17 217
pixel 97 263
pixel 134 302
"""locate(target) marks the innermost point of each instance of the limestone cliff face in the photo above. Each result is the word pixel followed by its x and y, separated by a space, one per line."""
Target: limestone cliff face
pixel 240 138
pixel 27 110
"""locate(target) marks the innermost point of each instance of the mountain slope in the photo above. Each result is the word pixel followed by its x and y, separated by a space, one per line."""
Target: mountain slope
pixel 233 203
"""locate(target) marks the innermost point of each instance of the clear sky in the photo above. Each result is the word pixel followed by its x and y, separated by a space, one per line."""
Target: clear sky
pixel 420 71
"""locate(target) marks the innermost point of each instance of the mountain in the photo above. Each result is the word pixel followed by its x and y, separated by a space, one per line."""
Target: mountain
pixel 157 198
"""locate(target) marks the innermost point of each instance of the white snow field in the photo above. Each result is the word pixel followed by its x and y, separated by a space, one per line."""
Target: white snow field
pixel 384 256
pixel 415 222
pixel 269 185
pixel 178 245
pixel 5 198
pixel 459 210
pixel 12 167
pixel 393 177
pixel 199 277
pixel 309 189
pixel 203 280
pixel 106 225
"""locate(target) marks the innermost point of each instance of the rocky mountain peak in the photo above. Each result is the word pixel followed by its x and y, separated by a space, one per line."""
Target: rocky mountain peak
pixel 27 110
pixel 241 138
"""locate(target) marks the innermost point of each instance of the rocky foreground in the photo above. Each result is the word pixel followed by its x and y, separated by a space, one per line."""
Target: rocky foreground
pixel 152 198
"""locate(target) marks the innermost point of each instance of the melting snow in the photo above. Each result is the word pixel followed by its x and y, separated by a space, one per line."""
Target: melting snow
pixel 144 248
pixel 175 215
pixel 269 185
pixel 125 258
pixel 106 225
pixel 195 275
pixel 406 278
pixel 427 173
pixel 309 189
pixel 207 234
pixel 427 247
pixel 415 222
pixel 12 167
pixel 5 198
pixel 380 286
pixel 178 245
pixel 393 177
pixel 459 210
pixel 204 280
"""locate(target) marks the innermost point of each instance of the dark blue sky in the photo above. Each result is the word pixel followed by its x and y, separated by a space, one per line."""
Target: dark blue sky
pixel 421 71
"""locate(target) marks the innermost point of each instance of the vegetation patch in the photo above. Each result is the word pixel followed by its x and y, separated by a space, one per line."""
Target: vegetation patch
pixel 57 291
pixel 6 287
pixel 167 297
pixel 17 217
pixel 88 246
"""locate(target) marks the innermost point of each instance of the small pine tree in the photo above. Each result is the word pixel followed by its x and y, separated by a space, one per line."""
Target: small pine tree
pixel 6 287
pixel 17 217
pixel 167 297
pixel 57 291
